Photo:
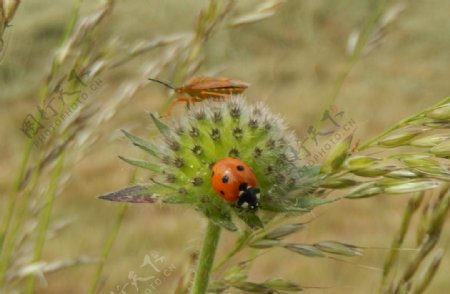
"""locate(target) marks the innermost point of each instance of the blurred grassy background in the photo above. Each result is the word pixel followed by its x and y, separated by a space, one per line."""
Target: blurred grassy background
pixel 292 60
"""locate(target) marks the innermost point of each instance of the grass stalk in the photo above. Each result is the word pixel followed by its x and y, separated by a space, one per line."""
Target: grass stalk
pixel 73 20
pixel 392 257
pixel 206 259
pixel 363 39
pixel 19 215
pixel 19 180
pixel 12 200
pixel 45 220
pixel 107 248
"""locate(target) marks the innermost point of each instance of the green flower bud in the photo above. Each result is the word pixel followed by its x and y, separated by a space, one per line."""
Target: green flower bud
pixel 360 161
pixel 335 247
pixel 442 150
pixel 182 157
pixel 430 141
pixel 265 243
pixel 366 190
pixel 282 285
pixel 400 139
pixel 410 186
pixel 305 249
pixel 402 173
pixel 440 113
pixel 337 156
pixel 284 231
pixel 374 171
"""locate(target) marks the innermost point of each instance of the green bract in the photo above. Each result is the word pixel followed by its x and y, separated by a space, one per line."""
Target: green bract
pixel 182 156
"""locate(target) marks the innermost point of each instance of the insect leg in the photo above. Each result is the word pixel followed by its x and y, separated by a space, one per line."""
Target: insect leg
pixel 175 101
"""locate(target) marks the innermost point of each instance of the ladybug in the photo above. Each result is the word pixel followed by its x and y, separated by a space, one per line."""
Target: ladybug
pixel 235 182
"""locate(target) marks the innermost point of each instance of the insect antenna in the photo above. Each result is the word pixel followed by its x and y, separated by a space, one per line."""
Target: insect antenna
pixel 162 83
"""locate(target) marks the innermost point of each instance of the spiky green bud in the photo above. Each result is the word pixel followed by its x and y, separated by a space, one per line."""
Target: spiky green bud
pixel 181 159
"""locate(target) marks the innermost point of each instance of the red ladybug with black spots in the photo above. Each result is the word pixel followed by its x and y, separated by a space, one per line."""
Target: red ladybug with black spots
pixel 235 182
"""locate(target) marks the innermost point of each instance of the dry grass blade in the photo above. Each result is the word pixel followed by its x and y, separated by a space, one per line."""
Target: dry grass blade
pixel 417 274
pixel 263 11
pixel 54 266
pixel 7 11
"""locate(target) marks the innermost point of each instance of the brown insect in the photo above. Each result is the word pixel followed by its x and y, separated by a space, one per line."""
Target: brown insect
pixel 202 87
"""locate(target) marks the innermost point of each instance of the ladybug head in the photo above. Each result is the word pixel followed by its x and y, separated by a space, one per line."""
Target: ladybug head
pixel 248 195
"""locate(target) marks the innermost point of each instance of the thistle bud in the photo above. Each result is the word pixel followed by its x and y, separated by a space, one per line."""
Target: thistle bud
pixel 181 159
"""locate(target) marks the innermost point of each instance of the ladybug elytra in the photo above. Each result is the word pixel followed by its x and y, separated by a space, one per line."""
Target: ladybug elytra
pixel 235 182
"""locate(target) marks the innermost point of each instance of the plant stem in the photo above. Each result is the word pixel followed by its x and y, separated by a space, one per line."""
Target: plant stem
pixel 206 259
pixel 44 220
pixel 401 123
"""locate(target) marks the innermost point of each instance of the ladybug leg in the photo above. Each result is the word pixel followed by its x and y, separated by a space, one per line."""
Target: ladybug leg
pixel 175 101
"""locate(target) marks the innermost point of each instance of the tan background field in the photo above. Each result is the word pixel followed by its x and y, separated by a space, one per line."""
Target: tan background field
pixel 292 61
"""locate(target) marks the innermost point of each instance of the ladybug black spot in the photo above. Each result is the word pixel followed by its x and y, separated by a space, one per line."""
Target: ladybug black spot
pixel 225 179
pixel 222 192
pixel 240 167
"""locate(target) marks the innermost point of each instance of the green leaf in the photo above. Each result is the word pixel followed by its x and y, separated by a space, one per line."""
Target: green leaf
pixel 219 214
pixel 162 127
pixel 143 144
pixel 134 194
pixel 250 218
pixel 306 171
pixel 278 205
pixel 309 202
pixel 176 199
pixel 142 164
